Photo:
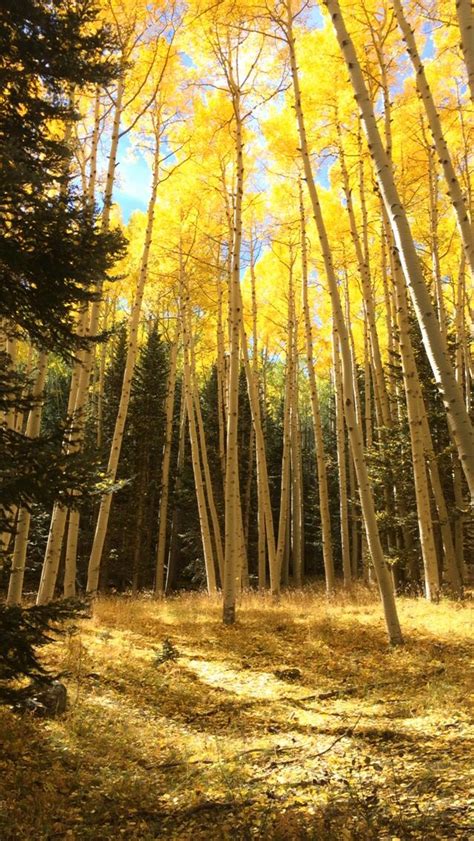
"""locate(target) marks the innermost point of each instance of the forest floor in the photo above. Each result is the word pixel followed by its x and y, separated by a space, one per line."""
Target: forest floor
pixel 297 723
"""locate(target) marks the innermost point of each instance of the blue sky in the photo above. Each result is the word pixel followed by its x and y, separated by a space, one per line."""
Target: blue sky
pixel 134 180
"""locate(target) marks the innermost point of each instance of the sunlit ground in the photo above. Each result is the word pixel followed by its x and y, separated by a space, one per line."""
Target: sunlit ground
pixel 298 723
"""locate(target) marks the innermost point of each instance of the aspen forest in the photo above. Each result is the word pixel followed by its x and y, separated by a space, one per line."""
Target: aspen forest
pixel 236 420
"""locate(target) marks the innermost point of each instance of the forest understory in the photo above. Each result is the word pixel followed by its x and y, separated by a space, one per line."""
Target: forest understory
pixel 298 722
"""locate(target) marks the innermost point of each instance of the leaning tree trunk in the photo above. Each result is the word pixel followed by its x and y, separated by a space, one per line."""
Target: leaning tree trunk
pixel 368 508
pixel 461 426
pixel 426 97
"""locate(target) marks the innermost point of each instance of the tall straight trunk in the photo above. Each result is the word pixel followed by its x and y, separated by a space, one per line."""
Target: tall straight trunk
pixel 81 375
pixel 368 508
pixel 438 355
pixel 295 460
pixel 132 349
pixel 216 529
pixel 316 415
pixel 414 400
pixel 209 562
pixel 165 468
pixel 15 586
pixel 221 377
pixel 262 469
pixel 426 97
pixel 283 522
pixel 233 514
pixel 259 444
pixel 171 568
pixel 341 463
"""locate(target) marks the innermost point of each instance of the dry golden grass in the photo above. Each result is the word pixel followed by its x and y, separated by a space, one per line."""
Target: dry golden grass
pixel 359 741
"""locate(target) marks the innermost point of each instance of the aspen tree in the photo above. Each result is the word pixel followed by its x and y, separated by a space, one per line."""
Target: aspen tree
pixel 452 181
pixel 173 547
pixel 283 524
pixel 117 438
pixel 381 570
pixel 297 551
pixel 316 414
pixel 233 514
pixel 261 525
pixel 461 426
pixel 165 467
pixel 262 471
pixel 15 586
pixel 216 529
pixel 341 462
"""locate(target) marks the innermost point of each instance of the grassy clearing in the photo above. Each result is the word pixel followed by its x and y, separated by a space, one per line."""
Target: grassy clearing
pixel 297 723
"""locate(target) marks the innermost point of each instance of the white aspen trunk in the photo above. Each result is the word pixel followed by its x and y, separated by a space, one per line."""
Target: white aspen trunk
pixel 461 426
pixel 316 415
pixel 15 586
pixel 216 529
pixel 261 528
pixel 220 366
pixel 233 514
pixel 165 469
pixel 413 400
pixel 295 464
pixel 452 181
pixel 285 463
pixel 341 463
pixel 172 551
pixel 209 562
pixel 381 570
pixel 262 470
pixel 117 438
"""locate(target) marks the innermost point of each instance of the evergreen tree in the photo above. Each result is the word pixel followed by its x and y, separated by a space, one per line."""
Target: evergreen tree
pixel 52 252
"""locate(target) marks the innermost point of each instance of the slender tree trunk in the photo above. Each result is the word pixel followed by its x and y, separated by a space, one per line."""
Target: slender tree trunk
pixel 437 353
pixel 165 468
pixel 341 464
pixel 194 441
pixel 176 517
pixel 233 513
